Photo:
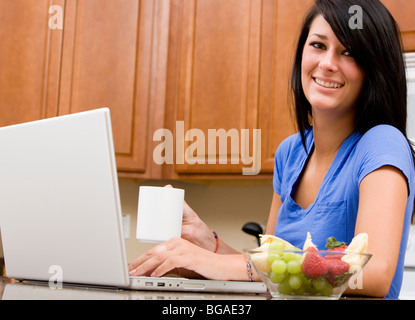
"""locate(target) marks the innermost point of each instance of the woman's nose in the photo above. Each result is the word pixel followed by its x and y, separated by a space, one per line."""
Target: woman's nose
pixel 329 62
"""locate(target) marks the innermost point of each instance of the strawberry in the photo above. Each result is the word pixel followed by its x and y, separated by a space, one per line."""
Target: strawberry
pixel 335 253
pixel 314 265
pixel 336 268
pixel 335 246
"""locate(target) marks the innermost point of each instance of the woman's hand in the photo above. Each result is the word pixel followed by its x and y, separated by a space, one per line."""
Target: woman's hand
pixel 192 255
pixel 196 231
pixel 186 259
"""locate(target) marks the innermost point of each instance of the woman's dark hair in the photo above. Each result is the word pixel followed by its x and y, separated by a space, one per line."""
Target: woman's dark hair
pixel 376 48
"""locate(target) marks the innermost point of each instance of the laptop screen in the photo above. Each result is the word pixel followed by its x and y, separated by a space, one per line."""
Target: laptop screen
pixel 60 211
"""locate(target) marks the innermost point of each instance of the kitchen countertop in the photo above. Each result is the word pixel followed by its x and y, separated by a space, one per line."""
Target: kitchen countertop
pixel 13 290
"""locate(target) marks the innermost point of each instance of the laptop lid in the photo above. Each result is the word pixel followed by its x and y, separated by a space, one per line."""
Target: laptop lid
pixel 60 213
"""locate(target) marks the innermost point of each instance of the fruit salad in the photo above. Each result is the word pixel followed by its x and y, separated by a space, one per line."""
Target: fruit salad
pixel 309 271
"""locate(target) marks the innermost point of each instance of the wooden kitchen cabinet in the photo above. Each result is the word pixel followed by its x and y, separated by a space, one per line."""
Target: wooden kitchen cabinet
pixel 29 72
pixel 109 51
pixel 229 65
pixel 173 64
pixel 108 54
pixel 213 76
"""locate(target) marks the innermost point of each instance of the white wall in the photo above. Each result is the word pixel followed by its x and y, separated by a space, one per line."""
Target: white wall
pixel 225 208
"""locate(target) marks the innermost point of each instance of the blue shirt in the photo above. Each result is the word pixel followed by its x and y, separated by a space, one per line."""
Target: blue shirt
pixel 334 211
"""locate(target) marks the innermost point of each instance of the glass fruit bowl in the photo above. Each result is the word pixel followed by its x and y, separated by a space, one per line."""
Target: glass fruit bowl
pixel 310 274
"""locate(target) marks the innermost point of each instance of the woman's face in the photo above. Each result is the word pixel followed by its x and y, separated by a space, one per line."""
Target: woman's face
pixel 331 79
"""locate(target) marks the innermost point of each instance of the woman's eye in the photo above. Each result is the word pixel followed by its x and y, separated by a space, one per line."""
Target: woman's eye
pixel 317 45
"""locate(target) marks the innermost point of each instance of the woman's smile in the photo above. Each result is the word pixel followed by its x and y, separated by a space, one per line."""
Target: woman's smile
pixel 326 83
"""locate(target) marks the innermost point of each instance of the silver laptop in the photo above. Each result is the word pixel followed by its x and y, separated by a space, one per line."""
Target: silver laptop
pixel 60 212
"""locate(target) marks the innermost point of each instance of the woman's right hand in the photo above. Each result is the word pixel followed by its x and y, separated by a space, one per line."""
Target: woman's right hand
pixel 179 256
pixel 196 231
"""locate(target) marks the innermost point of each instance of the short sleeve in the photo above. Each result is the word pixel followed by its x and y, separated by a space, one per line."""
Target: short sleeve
pixel 384 145
pixel 281 159
pixel 278 165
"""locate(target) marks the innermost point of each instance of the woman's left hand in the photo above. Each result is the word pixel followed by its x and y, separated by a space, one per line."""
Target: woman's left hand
pixel 184 258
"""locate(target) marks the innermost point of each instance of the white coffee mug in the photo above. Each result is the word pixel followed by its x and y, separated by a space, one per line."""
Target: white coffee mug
pixel 160 213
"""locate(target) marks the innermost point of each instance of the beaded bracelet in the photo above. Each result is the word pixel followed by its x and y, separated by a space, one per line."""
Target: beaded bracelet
pixel 249 267
pixel 217 241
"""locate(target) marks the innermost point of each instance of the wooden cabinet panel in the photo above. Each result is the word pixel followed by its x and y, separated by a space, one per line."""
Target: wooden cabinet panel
pixel 29 55
pixel 213 72
pixel 229 66
pixel 102 68
pixel 223 50
pixel 106 62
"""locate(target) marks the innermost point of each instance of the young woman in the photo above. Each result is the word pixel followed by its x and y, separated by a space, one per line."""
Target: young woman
pixel 349 169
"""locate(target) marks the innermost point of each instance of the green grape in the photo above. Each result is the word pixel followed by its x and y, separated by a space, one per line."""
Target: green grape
pixel 294 266
pixel 272 257
pixel 284 287
pixel 295 281
pixel 300 291
pixel 323 286
pixel 279 266
pixel 276 245
pixel 308 286
pixel 299 258
pixel 277 277
pixel 288 256
pixel 307 282
pixel 328 291
pixel 320 283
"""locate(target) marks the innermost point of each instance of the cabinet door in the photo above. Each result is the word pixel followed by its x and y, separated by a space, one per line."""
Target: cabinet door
pixel 106 62
pixel 229 67
pixel 213 82
pixel 29 55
